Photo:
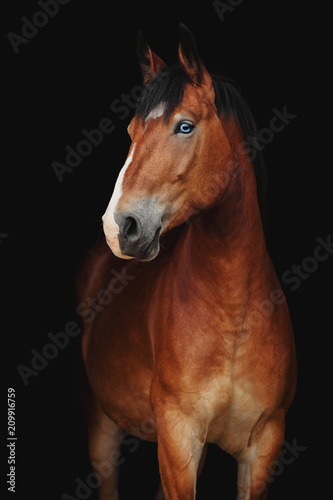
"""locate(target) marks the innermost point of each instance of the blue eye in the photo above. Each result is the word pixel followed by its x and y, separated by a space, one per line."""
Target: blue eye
pixel 184 128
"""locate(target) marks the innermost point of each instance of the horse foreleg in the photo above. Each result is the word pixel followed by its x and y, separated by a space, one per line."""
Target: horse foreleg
pixel 104 450
pixel 256 468
pixel 160 494
pixel 180 446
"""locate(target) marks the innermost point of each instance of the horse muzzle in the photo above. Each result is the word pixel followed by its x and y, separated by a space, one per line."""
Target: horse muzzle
pixel 135 232
pixel 137 238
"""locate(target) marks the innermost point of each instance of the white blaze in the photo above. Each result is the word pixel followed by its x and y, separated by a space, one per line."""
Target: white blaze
pixel 109 224
pixel 157 111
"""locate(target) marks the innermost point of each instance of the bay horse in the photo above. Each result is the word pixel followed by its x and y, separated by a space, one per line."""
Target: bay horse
pixel 189 340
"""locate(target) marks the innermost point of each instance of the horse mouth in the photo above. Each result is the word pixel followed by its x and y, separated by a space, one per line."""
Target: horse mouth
pixel 145 251
pixel 153 248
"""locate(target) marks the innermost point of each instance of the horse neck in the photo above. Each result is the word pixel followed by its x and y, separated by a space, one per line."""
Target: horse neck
pixel 224 248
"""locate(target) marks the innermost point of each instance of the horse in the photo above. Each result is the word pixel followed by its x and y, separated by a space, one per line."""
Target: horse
pixel 187 338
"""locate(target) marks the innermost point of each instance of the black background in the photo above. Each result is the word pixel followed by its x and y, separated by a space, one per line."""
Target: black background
pixel 63 81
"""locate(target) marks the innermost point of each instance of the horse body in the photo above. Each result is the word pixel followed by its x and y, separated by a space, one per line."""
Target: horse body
pixel 185 354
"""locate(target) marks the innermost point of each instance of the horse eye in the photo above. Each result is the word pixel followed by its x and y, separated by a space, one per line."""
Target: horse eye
pixel 184 128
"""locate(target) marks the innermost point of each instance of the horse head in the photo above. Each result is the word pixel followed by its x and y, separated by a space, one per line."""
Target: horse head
pixel 173 169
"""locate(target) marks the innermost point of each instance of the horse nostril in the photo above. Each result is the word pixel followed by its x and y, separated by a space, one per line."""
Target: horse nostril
pixel 132 229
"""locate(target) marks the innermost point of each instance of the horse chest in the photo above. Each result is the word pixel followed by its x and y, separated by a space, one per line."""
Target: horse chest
pixel 209 371
pixel 220 394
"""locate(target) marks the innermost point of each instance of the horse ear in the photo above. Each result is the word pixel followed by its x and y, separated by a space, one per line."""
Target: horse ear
pixel 150 63
pixel 188 55
pixel 191 62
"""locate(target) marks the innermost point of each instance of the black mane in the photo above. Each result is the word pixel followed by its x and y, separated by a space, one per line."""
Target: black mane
pixel 168 87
